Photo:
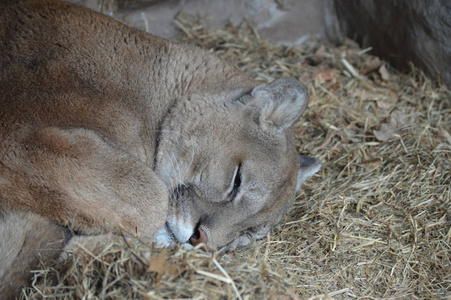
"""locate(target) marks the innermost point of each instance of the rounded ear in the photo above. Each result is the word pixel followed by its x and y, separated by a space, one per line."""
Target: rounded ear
pixel 307 167
pixel 280 103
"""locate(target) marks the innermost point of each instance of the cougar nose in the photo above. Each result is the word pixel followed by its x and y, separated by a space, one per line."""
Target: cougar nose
pixel 198 237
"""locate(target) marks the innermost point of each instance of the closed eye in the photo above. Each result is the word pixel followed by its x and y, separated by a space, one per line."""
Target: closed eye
pixel 236 182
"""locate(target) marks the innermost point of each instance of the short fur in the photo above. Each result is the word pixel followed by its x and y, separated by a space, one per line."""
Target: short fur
pixel 104 128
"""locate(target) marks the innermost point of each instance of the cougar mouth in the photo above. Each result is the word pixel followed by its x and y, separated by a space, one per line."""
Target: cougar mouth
pixel 244 239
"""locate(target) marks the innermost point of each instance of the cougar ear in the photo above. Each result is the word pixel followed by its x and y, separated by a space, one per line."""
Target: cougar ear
pixel 280 103
pixel 307 167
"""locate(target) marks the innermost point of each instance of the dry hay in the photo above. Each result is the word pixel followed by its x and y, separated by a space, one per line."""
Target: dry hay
pixel 374 223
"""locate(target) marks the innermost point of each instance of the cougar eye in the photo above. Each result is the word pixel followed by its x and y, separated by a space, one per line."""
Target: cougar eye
pixel 236 181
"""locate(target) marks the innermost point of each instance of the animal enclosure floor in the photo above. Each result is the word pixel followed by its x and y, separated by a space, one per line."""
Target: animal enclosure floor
pixel 374 223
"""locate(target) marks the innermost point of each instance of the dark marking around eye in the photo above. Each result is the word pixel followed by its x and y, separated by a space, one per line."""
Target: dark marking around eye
pixel 236 182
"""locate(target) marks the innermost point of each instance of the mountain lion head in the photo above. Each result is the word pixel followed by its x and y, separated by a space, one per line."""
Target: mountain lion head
pixel 231 168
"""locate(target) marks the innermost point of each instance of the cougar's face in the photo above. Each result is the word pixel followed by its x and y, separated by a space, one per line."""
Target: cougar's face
pixel 231 178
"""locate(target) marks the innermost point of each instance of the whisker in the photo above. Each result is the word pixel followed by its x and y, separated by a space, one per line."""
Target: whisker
pixel 192 155
pixel 179 173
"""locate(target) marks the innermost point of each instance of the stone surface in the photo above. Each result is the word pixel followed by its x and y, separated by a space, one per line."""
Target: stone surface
pixel 286 22
pixel 281 21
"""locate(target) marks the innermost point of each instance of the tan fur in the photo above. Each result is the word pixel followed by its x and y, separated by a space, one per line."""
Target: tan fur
pixel 104 128
pixel 25 239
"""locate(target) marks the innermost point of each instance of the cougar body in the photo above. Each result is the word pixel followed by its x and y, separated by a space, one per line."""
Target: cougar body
pixel 107 129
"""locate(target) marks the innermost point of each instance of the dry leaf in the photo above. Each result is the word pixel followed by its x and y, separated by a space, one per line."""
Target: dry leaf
pixel 446 135
pixel 306 77
pixel 398 122
pixel 385 105
pixel 321 50
pixel 326 76
pixel 371 65
pixel 157 265
pixel 384 73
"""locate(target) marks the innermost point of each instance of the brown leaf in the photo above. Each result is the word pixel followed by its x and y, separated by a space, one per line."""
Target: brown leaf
pixel 326 76
pixel 371 65
pixel 306 77
pixel 321 50
pixel 173 270
pixel 398 122
pixel 384 73
pixel 446 135
pixel 160 266
pixel 157 265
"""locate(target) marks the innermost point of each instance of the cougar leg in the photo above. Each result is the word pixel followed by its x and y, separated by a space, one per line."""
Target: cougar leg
pixel 25 239
pixel 75 177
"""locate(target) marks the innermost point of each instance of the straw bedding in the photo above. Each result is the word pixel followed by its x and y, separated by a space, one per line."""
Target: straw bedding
pixel 374 223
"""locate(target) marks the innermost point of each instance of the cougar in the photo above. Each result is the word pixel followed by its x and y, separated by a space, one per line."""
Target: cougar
pixel 108 129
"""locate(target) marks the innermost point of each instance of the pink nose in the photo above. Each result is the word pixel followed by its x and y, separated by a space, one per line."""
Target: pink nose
pixel 200 237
